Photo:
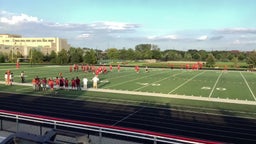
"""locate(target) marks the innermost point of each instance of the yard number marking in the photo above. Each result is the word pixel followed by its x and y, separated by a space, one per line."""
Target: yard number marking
pixel 104 81
pixel 221 89
pixel 149 84
pixel 155 84
pixel 206 88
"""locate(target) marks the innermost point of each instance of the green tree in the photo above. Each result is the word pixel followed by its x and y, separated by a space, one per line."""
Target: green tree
pixel 203 54
pixel 210 61
pixel 123 55
pixel 242 56
pixel 75 55
pixel 143 51
pixel 130 54
pixel 101 55
pixel 251 59
pixel 230 56
pixel 53 57
pixel 2 58
pixel 62 57
pixel 171 55
pixel 188 56
pixel 46 58
pixel 235 61
pixel 113 53
pixel 90 57
pixel 10 56
pixel 156 54
pixel 37 56
pixel 192 51
pixel 196 56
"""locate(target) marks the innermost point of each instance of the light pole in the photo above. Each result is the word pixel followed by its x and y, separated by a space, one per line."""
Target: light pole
pixel 12 53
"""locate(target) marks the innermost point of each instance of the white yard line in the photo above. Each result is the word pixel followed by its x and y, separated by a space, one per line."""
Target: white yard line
pixel 214 86
pixel 248 86
pixel 157 81
pixel 185 82
pixel 127 116
pixel 130 80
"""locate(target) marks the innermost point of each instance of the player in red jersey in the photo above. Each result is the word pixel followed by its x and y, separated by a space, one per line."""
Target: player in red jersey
pixel 73 84
pixel 187 66
pixel 17 65
pixel 57 83
pixel 86 68
pixel 70 68
pixel 66 83
pixel 51 84
pixel 105 70
pixel 118 67
pixel 77 80
pixel 110 67
pixel 137 69
pixel 200 65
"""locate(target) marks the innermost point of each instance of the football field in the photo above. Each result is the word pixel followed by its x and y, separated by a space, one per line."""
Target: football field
pixel 232 85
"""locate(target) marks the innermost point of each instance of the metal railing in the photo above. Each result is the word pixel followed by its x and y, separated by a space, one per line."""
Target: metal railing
pixel 101 129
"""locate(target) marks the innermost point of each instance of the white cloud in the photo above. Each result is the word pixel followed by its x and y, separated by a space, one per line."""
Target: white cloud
pixel 100 34
pixel 151 37
pixel 238 30
pixel 216 38
pixel 84 36
pixel 245 42
pixel 202 38
pixel 236 42
pixel 164 37
pixel 114 25
pixel 16 19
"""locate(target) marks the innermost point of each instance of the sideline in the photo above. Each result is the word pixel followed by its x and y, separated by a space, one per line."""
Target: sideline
pixel 233 101
pixel 209 99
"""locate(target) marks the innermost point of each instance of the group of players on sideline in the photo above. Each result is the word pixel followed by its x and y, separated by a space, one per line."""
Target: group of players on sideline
pixel 59 82
pixel 75 83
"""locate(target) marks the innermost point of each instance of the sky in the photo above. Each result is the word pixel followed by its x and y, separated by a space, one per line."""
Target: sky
pixel 169 24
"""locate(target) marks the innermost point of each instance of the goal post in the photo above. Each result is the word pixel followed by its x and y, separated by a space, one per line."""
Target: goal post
pixel 22 60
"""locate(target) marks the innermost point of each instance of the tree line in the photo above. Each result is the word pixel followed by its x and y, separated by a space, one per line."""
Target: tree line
pixel 140 52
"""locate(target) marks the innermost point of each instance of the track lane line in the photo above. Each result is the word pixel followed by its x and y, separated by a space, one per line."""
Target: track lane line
pixel 128 116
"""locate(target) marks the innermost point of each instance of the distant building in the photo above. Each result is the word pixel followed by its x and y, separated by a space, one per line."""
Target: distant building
pixel 17 43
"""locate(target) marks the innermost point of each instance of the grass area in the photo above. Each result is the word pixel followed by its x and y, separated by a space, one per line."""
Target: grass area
pixel 208 84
